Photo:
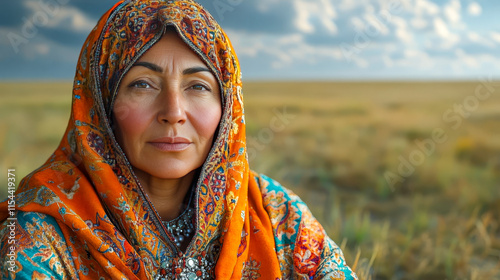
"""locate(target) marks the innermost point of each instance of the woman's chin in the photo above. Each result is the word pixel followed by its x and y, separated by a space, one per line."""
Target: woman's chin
pixel 168 172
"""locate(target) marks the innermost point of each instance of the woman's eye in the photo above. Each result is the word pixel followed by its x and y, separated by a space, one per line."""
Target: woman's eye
pixel 140 84
pixel 200 87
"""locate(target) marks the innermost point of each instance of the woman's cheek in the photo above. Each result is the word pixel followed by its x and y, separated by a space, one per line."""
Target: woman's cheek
pixel 131 120
pixel 208 118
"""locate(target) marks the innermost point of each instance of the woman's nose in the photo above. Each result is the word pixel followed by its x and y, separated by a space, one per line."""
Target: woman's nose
pixel 172 106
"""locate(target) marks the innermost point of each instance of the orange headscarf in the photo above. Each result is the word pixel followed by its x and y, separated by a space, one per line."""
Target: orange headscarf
pixel 109 227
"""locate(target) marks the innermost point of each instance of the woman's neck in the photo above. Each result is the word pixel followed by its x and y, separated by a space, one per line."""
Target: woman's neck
pixel 167 195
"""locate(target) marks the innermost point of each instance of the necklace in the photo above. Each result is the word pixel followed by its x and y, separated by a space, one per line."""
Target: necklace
pixel 181 228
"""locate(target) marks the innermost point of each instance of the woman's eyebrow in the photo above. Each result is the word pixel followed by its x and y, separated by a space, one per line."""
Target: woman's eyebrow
pixel 192 70
pixel 156 68
pixel 149 65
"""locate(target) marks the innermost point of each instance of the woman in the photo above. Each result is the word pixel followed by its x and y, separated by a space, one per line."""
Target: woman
pixel 151 179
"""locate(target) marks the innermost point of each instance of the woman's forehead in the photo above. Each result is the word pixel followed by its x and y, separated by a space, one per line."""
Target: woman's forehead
pixel 171 47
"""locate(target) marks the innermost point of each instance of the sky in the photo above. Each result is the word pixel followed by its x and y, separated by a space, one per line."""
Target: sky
pixel 285 39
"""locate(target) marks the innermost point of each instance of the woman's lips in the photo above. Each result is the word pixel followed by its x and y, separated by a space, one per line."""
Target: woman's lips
pixel 170 144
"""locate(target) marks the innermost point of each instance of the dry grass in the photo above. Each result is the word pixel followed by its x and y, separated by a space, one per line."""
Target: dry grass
pixel 439 222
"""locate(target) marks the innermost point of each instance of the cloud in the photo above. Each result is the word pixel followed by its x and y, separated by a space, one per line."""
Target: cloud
pixel 452 11
pixel 372 21
pixel 477 39
pixel 307 13
pixel 474 9
pixel 423 11
pixel 42 49
pixel 62 16
pixel 90 8
pixel 262 16
pixel 402 31
pixel 424 7
pixel 419 23
pixel 302 21
pixel 416 58
pixel 468 60
pixel 495 36
pixel 285 38
pixel 442 30
pixel 347 5
pixel 285 51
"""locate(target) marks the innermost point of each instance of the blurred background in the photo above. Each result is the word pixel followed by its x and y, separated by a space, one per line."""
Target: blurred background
pixel 382 115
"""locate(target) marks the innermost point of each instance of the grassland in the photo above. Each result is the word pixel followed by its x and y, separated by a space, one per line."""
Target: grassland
pixel 402 178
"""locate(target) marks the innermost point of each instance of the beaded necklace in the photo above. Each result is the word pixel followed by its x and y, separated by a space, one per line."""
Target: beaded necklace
pixel 182 228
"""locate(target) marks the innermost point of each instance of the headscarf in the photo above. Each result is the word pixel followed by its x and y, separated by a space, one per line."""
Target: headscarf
pixel 87 186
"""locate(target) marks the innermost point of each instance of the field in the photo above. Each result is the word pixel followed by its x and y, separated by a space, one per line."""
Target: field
pixel 404 176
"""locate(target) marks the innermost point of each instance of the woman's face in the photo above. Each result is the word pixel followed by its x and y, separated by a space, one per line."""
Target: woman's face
pixel 167 110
